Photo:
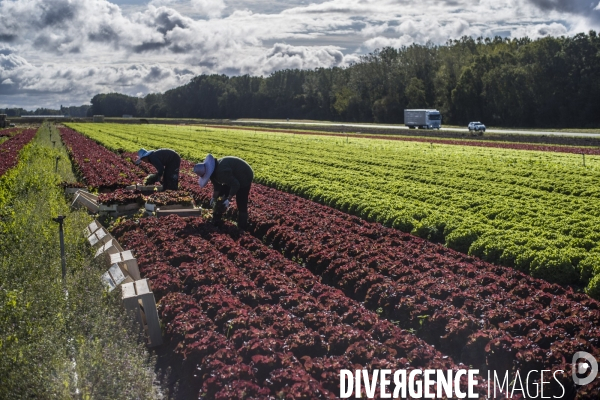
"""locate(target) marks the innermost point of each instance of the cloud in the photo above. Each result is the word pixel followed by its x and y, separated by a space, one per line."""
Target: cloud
pixel 540 30
pixel 420 30
pixel 210 8
pixel 581 7
pixel 381 41
pixel 6 50
pixel 574 6
pixel 78 48
pixel 283 56
pixel 9 61
pixel 78 84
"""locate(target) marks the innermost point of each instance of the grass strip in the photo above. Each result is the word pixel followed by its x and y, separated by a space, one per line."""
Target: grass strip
pixel 55 346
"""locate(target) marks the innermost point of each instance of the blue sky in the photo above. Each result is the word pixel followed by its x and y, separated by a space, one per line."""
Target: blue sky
pixel 66 51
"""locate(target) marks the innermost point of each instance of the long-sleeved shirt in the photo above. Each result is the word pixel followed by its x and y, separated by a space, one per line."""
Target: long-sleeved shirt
pixel 232 172
pixel 162 158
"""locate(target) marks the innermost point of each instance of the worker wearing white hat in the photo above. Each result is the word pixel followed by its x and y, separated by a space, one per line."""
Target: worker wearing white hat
pixel 166 162
pixel 230 176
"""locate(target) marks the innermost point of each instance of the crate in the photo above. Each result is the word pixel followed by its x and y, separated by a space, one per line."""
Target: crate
pixel 115 276
pixel 91 228
pixel 116 210
pixel 82 200
pixel 110 247
pixel 182 212
pixel 88 195
pixel 153 207
pixel 127 262
pixel 73 190
pixel 101 236
pixel 139 300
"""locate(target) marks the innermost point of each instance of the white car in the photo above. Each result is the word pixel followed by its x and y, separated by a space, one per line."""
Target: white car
pixel 476 126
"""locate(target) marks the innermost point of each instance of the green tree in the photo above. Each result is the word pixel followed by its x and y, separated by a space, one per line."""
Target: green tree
pixel 415 94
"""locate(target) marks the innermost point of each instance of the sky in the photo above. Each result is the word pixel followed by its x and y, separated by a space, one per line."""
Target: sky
pixel 63 52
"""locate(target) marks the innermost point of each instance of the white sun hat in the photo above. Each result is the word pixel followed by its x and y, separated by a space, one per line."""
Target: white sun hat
pixel 141 154
pixel 205 169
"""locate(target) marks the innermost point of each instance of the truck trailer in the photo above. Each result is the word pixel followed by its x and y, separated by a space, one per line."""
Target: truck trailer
pixel 423 119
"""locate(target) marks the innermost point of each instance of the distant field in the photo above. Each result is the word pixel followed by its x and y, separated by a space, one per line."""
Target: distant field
pixel 536 211
pixel 468 141
pixel 355 125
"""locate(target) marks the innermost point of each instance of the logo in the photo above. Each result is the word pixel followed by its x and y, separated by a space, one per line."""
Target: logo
pixel 589 366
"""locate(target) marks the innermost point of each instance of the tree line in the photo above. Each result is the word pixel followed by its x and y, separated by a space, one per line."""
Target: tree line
pixel 71 111
pixel 549 82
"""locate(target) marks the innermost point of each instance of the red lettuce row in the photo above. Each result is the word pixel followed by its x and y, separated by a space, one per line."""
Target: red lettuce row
pixel 121 196
pixel 10 132
pixel 99 167
pixel 9 150
pixel 244 315
pixel 488 316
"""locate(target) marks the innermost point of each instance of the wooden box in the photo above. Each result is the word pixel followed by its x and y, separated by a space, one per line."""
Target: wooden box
pixel 88 195
pixel 115 277
pixel 126 261
pixel 153 207
pixel 116 209
pixel 73 190
pixel 85 201
pixel 139 300
pixel 110 247
pixel 101 236
pixel 182 212
pixel 91 228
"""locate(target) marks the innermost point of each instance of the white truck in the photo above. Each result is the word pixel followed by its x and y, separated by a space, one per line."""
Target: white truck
pixel 423 119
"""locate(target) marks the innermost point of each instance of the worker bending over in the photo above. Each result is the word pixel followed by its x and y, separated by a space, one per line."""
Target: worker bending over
pixel 166 162
pixel 230 176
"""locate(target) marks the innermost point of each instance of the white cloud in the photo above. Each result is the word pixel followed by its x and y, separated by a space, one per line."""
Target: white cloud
pixel 540 30
pixel 78 48
pixel 380 42
pixel 210 8
pixel 11 61
pixel 283 56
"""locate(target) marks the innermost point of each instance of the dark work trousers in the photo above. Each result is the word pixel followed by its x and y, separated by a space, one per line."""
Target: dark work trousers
pixel 241 200
pixel 241 197
pixel 171 176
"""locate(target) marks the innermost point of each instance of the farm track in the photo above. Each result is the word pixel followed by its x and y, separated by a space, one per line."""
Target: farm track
pixel 487 316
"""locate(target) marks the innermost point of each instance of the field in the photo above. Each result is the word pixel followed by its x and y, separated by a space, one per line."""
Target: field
pixel 278 311
pixel 312 287
pixel 535 211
